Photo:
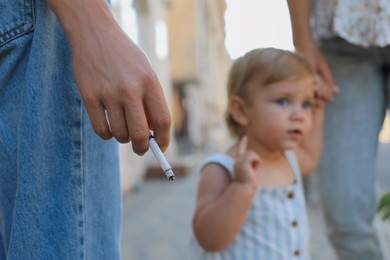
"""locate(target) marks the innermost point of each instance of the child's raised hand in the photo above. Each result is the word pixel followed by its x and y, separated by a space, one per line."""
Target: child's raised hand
pixel 247 164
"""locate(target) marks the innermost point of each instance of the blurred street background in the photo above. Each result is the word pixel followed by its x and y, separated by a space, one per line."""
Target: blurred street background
pixel 157 216
pixel 191 44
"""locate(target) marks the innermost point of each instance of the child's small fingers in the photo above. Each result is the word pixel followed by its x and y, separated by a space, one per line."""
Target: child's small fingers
pixel 251 160
pixel 254 157
pixel 242 145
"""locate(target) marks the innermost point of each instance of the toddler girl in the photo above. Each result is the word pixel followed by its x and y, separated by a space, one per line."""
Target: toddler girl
pixel 250 201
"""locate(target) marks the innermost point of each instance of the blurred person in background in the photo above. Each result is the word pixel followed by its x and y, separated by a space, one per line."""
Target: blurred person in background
pixel 348 43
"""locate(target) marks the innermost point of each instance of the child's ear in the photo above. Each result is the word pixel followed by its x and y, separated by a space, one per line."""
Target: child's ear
pixel 237 110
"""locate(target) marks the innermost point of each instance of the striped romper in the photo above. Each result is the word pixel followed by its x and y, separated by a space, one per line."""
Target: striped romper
pixel 276 226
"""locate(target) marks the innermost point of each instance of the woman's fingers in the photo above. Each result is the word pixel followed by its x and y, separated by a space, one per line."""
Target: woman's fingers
pixel 137 126
pixel 118 126
pixel 97 115
pixel 158 116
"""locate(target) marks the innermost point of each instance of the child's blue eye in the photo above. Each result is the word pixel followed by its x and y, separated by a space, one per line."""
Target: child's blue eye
pixel 282 101
pixel 306 105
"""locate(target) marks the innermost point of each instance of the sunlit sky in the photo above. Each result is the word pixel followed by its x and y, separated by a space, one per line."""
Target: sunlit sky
pixel 257 23
pixel 249 24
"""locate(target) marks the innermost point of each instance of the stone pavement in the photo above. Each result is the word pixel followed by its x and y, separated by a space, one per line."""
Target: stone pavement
pixel 157 217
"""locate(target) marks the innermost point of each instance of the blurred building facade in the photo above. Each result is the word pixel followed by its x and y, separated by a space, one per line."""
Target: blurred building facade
pixel 198 65
pixel 185 43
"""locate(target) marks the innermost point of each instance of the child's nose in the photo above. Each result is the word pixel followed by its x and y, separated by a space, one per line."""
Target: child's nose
pixel 297 112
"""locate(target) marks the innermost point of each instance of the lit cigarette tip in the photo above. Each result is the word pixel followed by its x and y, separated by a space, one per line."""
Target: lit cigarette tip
pixel 170 175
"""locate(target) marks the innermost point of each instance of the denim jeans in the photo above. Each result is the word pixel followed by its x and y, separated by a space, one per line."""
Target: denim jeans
pixel 352 125
pixel 59 183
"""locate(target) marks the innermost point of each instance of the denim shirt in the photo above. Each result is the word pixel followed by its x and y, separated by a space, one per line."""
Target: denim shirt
pixel 59 183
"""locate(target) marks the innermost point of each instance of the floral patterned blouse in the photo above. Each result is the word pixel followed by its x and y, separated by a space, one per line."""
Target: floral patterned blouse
pixel 361 22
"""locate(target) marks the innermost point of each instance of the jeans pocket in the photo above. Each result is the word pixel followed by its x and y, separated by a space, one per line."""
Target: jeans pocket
pixel 16 19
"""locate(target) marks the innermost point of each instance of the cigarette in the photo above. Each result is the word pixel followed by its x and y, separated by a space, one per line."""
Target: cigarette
pixel 161 158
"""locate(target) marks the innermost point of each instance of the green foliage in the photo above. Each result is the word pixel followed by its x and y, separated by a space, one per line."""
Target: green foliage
pixel 384 206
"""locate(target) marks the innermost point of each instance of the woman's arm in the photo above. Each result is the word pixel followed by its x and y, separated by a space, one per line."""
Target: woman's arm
pixel 309 151
pixel 300 14
pixel 113 75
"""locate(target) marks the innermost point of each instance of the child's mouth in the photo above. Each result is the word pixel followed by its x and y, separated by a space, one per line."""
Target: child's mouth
pixel 295 133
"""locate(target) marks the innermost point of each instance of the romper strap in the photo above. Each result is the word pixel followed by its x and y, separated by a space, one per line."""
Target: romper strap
pixel 292 159
pixel 224 160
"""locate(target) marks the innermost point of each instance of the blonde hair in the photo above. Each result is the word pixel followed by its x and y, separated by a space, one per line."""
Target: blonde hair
pixel 264 67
